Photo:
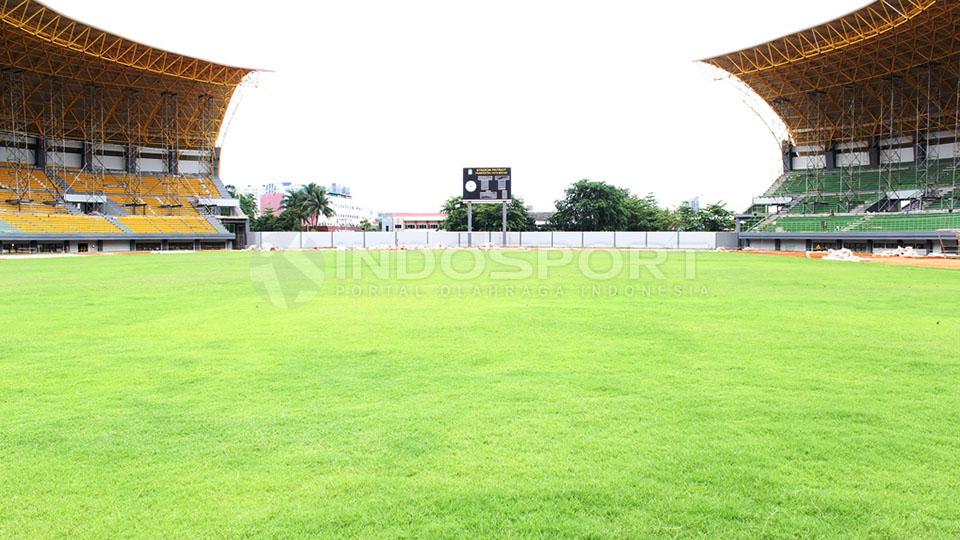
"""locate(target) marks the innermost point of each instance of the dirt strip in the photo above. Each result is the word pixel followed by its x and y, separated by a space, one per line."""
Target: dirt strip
pixel 919 262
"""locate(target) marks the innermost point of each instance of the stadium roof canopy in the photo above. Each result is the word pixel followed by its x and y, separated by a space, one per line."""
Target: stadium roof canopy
pixel 889 68
pixel 105 83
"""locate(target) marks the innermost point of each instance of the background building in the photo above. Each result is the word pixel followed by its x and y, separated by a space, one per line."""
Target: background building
pixel 408 221
pixel 349 212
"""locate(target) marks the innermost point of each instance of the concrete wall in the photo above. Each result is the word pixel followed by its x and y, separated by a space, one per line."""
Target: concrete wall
pixel 116 246
pixel 442 239
pixel 793 245
pixel 763 245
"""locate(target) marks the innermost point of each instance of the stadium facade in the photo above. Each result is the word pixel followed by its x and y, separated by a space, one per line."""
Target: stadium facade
pixel 871 102
pixel 107 144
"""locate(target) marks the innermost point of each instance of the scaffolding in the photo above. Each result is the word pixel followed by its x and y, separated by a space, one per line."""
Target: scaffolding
pixel 92 180
pixel 170 137
pixel 924 155
pixel 816 162
pixel 18 142
pixel 54 140
pixel 206 165
pixel 890 157
pixel 956 146
pixel 207 137
pixel 851 163
pixel 949 242
pixel 133 133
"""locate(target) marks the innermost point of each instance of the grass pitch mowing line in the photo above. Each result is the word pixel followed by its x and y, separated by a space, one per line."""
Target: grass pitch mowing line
pixel 166 396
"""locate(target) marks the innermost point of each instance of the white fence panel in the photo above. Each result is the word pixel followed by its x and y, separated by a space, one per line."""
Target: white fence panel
pixel 598 239
pixel 567 239
pixel 441 239
pixel 536 239
pixel 476 239
pixel 381 239
pixel 662 240
pixel 698 240
pixel 496 239
pixel 412 238
pixel 348 239
pixel 280 240
pixel 317 240
pixel 631 240
pixel 438 239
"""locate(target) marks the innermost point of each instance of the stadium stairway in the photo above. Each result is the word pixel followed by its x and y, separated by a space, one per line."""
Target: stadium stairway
pixel 769 220
pixel 872 200
pixel 6 228
pixel 121 226
pixel 220 186
pixel 214 222
pixel 56 180
pixel 111 208
pixel 777 184
pixel 785 211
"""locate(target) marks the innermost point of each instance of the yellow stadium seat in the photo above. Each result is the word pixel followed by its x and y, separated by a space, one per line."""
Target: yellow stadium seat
pixel 59 223
pixel 167 225
pixel 159 205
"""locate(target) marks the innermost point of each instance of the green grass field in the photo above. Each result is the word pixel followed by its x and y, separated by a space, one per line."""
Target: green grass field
pixel 170 396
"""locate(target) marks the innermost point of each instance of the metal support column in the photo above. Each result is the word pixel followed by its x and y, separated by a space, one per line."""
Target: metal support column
pixel 504 223
pixel 469 224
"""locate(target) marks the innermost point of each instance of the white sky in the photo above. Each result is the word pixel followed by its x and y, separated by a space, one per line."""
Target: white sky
pixel 395 98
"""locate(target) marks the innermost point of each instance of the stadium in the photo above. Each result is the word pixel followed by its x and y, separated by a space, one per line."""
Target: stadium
pixel 109 145
pixel 168 372
pixel 872 105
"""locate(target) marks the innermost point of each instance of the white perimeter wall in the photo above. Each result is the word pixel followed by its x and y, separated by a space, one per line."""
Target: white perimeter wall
pixel 441 239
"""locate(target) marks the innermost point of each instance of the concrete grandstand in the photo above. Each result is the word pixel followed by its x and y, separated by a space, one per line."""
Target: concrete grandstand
pixel 107 144
pixel 871 102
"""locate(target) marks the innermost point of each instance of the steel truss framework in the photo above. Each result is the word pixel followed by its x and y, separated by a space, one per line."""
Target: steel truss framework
pixel 915 40
pixel 40 45
pixel 62 81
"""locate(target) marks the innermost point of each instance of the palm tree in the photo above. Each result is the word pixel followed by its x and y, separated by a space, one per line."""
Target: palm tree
pixel 293 203
pixel 315 204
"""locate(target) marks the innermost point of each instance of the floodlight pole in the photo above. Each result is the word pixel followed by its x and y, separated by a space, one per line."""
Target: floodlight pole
pixel 469 224
pixel 504 244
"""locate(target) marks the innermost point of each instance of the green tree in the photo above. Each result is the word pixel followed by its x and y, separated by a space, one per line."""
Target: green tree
pixel 268 222
pixel 687 219
pixel 248 203
pixel 592 206
pixel 486 217
pixel 716 218
pixel 369 226
pixel 315 203
pixel 713 218
pixel 646 214
pixel 292 204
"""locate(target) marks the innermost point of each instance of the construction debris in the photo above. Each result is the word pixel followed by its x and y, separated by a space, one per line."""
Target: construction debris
pixel 841 255
pixel 902 251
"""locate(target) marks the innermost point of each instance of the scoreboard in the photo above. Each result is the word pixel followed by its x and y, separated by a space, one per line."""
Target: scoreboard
pixel 487 184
